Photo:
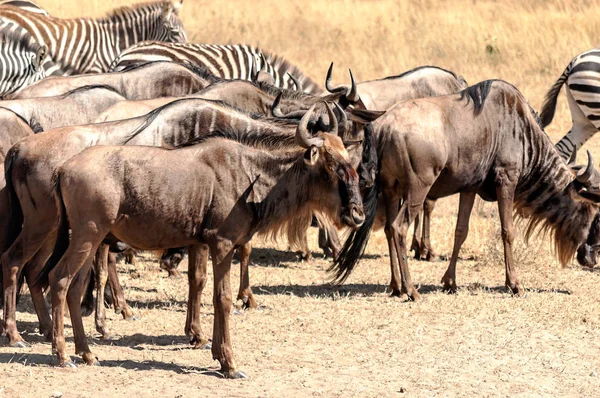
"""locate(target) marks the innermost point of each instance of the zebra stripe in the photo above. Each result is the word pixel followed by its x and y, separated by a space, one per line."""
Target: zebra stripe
pixel 20 60
pixel 225 61
pixel 582 79
pixel 24 5
pixel 87 45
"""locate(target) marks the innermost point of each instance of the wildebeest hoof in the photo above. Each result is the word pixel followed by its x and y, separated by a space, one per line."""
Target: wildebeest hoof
pixel 238 374
pixel 414 296
pixel 20 344
pixel 133 318
pixel 237 312
pixel 207 346
pixel 69 364
pixel 431 256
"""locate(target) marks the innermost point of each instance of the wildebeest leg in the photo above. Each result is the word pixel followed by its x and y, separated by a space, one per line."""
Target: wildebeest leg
pixel 120 304
pixel 27 244
pixel 426 248
pixel 170 260
pixel 391 209
pixel 74 302
pixel 222 351
pixel 245 292
pixel 129 255
pixel 396 230
pixel 505 191
pixel 82 248
pixel 416 240
pixel 467 199
pixel 197 271
pixel 304 250
pixel 329 241
pixel 32 270
pixel 101 271
pixel 87 301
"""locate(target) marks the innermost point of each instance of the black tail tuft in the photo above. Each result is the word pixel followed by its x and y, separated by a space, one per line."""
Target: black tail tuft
pixel 547 113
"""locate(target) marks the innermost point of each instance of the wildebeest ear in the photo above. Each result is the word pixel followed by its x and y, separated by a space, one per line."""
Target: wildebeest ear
pixel 587 196
pixel 363 116
pixel 38 59
pixel 311 156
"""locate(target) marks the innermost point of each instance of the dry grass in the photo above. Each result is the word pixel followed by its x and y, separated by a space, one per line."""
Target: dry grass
pixel 356 341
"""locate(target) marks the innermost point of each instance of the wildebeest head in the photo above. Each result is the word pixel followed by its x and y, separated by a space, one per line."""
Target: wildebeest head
pixel 328 165
pixel 172 26
pixel 587 188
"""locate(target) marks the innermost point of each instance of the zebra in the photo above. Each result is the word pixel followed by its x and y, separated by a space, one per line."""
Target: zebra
pixel 21 60
pixel 226 61
pixel 25 5
pixel 85 45
pixel 582 76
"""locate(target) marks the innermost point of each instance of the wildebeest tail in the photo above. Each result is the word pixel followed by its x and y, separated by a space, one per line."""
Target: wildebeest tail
pixel 62 237
pixel 358 239
pixel 14 217
pixel 549 106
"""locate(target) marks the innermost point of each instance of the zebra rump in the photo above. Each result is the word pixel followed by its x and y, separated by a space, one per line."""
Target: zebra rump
pixel 234 61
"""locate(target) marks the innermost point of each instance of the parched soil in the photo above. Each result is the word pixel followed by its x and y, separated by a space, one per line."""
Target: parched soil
pixel 309 339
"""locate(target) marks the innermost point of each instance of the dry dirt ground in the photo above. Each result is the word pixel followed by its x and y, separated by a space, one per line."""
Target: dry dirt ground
pixel 308 339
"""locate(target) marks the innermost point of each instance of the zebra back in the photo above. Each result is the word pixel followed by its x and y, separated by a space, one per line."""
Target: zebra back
pixel 24 5
pixel 21 60
pixel 86 45
pixel 225 61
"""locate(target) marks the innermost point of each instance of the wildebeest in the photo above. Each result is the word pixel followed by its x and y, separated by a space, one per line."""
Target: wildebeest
pixel 258 192
pixel 151 80
pixel 12 129
pixel 80 106
pixel 485 140
pixel 30 163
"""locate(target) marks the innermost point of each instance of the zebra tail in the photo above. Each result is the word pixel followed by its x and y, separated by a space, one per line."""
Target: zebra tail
pixel 549 106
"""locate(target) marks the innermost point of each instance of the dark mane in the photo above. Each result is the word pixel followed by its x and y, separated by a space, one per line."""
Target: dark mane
pixel 195 69
pixel 90 87
pixel 152 115
pixel 283 67
pixel 477 93
pixel 418 68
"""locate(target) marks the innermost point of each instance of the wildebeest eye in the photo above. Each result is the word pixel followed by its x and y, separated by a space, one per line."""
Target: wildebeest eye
pixel 341 173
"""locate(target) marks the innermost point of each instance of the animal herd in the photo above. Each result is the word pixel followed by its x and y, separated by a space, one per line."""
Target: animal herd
pixel 117 133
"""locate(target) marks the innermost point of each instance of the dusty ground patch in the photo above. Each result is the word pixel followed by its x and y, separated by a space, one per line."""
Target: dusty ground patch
pixel 310 339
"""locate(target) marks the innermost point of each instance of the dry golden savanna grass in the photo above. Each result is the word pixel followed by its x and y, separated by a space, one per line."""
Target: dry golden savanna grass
pixel 311 340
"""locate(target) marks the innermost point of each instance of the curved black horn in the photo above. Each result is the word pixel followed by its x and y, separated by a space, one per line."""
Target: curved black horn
pixel 328 86
pixel 333 122
pixel 303 137
pixel 353 91
pixel 584 176
pixel 572 158
pixel 275 109
pixel 296 82
pixel 343 121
